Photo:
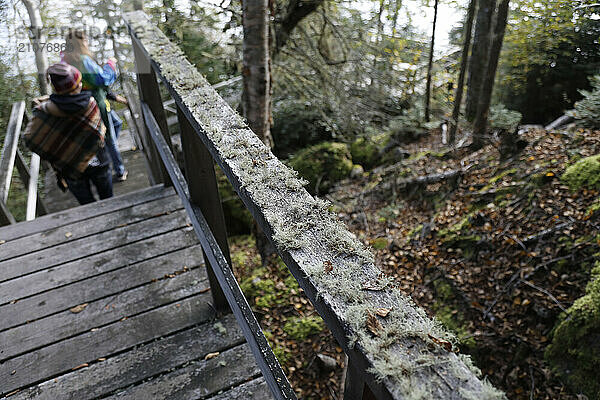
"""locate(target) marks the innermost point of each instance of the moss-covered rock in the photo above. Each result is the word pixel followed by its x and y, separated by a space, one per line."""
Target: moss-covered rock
pixel 574 352
pixel 299 328
pixel 585 173
pixel 323 165
pixel 366 151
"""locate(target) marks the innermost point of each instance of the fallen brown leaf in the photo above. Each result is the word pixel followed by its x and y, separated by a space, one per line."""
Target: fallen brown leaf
pixel 79 308
pixel 328 266
pixel 444 343
pixel 79 366
pixel 383 312
pixel 374 325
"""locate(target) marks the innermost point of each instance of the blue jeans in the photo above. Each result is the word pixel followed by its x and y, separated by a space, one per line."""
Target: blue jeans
pixel 100 177
pixel 112 135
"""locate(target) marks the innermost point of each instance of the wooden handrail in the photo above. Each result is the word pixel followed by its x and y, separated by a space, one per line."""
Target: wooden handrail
pixel 9 150
pixel 11 157
pixel 395 351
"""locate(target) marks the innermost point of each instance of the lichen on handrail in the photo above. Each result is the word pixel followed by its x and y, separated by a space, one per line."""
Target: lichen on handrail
pixel 408 354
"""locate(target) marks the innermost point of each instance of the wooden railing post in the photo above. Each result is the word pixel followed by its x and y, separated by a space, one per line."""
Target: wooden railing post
pixel 149 93
pixel 40 208
pixel 202 182
pixel 355 387
pixel 7 159
pixel 9 150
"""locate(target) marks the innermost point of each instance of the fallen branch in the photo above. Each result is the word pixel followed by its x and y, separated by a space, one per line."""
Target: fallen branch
pixel 417 182
pixel 547 293
pixel 545 232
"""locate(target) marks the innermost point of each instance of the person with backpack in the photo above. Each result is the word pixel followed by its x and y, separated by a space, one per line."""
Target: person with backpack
pixel 67 131
pixel 97 79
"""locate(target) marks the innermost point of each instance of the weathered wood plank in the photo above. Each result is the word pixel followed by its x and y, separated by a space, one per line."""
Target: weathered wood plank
pixel 61 357
pixel 93 225
pixel 204 192
pixel 26 338
pixel 62 253
pixel 97 287
pixel 32 194
pixel 256 389
pixel 138 364
pixel 80 213
pixel 199 379
pixel 308 237
pixel 9 149
pixel 25 178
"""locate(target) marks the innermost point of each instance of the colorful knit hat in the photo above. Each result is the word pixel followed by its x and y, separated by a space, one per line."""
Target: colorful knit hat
pixel 64 77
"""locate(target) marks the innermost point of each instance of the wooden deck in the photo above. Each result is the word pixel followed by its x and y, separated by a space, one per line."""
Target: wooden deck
pixel 111 300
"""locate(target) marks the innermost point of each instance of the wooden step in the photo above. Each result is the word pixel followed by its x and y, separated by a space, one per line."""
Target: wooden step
pixel 54 220
pixel 136 365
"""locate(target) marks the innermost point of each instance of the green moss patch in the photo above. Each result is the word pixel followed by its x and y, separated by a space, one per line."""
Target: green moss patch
pixel 585 173
pixel 574 352
pixel 366 151
pixel 299 328
pixel 593 210
pixel 379 243
pixel 323 165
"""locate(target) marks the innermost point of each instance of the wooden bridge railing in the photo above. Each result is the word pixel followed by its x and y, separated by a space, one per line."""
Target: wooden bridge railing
pixel 394 350
pixel 10 157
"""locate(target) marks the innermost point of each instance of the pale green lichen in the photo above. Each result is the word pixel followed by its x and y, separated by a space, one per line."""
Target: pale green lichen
pixel 220 328
pixel 303 226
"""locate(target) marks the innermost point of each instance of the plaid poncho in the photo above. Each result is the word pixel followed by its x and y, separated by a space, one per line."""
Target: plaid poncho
pixel 67 141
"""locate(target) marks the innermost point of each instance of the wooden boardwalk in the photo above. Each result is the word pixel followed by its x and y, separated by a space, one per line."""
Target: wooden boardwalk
pixel 111 300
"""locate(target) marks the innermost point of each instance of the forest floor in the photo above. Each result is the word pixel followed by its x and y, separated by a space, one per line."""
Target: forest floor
pixel 496 254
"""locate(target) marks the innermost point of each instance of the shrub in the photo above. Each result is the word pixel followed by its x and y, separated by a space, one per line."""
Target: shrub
pixel 501 118
pixel 587 110
pixel 297 125
pixel 408 127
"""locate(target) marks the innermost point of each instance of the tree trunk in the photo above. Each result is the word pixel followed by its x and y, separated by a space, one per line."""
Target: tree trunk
pixel 430 65
pixel 133 5
pixel 38 37
pixel 483 106
pixel 296 11
pixel 479 56
pixel 256 81
pixel 468 28
pixel 255 71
